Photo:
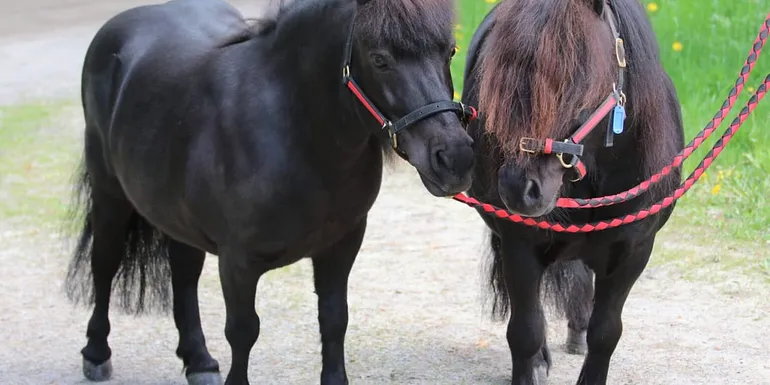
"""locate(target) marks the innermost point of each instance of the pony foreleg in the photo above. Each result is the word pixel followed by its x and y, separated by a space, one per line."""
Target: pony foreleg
pixel 186 266
pixel 331 269
pixel 526 327
pixel 606 325
pixel 239 276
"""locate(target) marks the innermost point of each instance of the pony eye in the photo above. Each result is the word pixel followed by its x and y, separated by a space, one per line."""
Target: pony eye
pixel 379 61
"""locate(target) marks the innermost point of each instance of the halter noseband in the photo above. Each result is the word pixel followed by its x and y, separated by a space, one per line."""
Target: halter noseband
pixel 466 113
pixel 615 102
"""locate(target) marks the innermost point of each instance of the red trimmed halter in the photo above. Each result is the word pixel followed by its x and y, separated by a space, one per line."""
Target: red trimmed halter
pixel 688 150
pixel 615 102
pixel 466 113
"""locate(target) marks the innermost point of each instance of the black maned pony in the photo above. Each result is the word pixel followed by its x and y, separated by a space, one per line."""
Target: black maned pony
pixel 207 134
pixel 539 69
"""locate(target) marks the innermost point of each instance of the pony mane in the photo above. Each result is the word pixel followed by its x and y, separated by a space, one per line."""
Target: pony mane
pixel 407 26
pixel 544 59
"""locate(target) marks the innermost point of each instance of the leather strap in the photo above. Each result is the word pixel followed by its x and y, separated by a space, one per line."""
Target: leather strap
pixel 426 111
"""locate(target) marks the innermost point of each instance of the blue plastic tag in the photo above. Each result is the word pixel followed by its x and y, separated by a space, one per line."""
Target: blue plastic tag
pixel 618 119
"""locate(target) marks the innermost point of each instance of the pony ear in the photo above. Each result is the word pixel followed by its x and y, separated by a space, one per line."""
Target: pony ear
pixel 597 5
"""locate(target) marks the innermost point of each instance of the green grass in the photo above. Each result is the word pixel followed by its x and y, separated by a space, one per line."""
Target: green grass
pixel 36 162
pixel 716 37
pixel 730 207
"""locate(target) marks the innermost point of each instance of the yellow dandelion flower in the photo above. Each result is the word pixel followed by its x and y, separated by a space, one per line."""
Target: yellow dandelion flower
pixel 457 96
pixel 652 7
pixel 490 1
pixel 715 189
pixel 750 89
pixel 459 35
pixel 720 175
pixel 677 46
pixel 704 175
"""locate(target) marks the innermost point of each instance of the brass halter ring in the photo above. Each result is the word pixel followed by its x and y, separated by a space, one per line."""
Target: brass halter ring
pixel 560 156
pixel 564 164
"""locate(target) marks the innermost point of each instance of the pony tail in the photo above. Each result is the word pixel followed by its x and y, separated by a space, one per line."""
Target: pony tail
pixel 143 280
pixel 501 302
pixel 568 286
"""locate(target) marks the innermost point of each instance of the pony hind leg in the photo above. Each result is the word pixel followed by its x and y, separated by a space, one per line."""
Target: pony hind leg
pixel 569 285
pixel 109 220
pixel 579 312
pixel 186 266
pixel 331 269
pixel 95 263
pixel 606 326
pixel 118 251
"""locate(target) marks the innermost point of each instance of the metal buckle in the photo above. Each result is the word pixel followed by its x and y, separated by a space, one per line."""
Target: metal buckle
pixel 620 97
pixel 522 145
pixel 464 116
pixel 620 52
pixel 388 125
pixel 346 72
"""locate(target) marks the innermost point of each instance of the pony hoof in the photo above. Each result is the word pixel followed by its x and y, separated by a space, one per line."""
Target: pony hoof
pixel 576 342
pixel 98 373
pixel 204 378
pixel 540 375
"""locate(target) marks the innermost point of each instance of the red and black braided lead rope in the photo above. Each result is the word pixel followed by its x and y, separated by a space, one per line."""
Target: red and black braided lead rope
pixel 716 149
pixel 690 148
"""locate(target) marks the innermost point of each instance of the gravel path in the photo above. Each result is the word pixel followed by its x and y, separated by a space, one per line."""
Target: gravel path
pixel 415 311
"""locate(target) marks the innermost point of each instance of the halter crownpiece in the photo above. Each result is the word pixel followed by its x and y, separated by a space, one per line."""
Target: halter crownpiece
pixel 615 102
pixel 466 113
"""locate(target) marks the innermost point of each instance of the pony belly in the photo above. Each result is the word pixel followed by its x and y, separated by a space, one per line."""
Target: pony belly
pixel 295 236
pixel 179 224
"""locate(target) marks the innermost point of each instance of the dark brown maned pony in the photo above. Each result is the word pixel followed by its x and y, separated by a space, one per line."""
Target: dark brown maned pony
pixel 539 70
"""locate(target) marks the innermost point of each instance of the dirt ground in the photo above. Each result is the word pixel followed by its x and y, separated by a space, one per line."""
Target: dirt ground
pixel 416 313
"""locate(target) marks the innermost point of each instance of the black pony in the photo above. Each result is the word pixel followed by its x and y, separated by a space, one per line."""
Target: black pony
pixel 549 77
pixel 207 134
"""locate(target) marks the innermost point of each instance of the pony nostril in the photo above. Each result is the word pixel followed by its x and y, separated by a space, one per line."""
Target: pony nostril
pixel 532 193
pixel 442 160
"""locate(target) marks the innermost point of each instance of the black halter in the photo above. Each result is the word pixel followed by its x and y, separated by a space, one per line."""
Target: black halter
pixel 466 113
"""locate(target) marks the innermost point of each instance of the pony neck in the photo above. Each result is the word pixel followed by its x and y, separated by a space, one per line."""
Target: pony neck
pixel 336 114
